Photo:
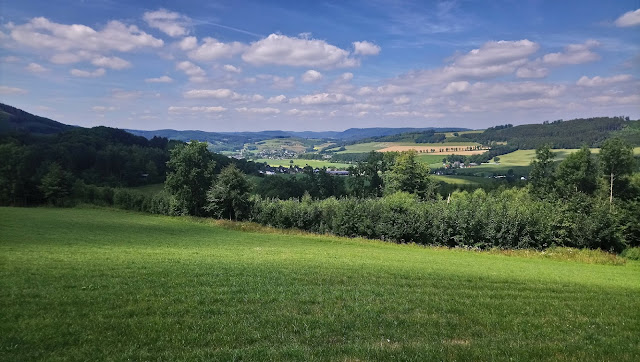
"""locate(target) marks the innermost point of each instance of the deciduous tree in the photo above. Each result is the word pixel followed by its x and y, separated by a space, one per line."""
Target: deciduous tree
pixel 228 198
pixel 617 161
pixel 578 173
pixel 409 175
pixel 190 175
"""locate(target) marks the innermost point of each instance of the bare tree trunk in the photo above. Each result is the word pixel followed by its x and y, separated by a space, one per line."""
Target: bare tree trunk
pixel 611 190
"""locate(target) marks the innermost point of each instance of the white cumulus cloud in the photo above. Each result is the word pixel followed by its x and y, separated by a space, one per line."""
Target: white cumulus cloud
pixel 265 110
pixel 365 48
pixel 194 72
pixel 573 54
pixel 277 99
pixel 598 81
pixel 456 87
pixel 169 22
pixel 323 98
pixel 41 33
pixel 279 49
pixel 111 62
pixel 311 76
pixel 35 68
pixel 497 52
pixel 532 71
pixel 230 68
pixel 188 43
pixel 212 49
pixel 201 109
pixel 87 74
pixel 5 90
pixel 401 100
pixel 630 18
pixel 163 79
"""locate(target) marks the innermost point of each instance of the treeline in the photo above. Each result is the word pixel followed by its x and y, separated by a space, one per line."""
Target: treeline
pixel 37 169
pixel 558 134
pixel 337 157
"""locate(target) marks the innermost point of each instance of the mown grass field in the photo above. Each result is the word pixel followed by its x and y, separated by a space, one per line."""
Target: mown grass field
pixel 302 163
pixel 524 157
pixel 102 284
pixel 463 180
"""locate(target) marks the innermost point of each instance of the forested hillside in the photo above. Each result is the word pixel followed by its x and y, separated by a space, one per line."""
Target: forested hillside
pixel 38 168
pixel 558 134
pixel 16 120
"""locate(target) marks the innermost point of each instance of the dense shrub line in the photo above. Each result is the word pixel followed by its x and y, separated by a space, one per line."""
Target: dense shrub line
pixel 505 219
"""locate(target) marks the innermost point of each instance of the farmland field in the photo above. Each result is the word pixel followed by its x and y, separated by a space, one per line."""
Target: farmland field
pixel 462 180
pixel 103 284
pixel 404 146
pixel 302 162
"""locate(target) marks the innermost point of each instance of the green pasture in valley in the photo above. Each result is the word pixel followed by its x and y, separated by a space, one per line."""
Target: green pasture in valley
pixel 302 163
pixel 463 180
pixel 101 284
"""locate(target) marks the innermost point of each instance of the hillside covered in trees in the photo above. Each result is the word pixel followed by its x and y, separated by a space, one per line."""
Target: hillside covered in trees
pixel 16 120
pixel 558 134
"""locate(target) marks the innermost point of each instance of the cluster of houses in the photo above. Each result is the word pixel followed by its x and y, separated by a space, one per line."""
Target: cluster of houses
pixel 292 170
pixel 459 164
pixel 276 154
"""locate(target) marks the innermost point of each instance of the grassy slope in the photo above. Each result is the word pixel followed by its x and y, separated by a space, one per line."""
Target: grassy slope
pixel 92 284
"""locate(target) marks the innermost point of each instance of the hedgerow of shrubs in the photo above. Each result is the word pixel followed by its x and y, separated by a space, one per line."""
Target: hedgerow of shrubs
pixel 506 219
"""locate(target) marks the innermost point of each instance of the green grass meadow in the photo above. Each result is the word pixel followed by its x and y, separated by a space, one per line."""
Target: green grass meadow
pixel 302 163
pixel 103 284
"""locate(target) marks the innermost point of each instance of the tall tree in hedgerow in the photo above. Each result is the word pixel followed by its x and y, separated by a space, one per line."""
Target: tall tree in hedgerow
pixel 542 175
pixel 617 161
pixel 410 175
pixel 190 174
pixel 578 173
pixel 56 185
pixel 228 198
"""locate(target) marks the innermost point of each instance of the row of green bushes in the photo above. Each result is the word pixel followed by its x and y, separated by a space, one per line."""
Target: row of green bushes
pixel 508 219
pixel 504 219
pixel 127 199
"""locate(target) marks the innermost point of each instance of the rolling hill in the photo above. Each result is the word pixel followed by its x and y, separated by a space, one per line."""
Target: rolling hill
pixel 16 120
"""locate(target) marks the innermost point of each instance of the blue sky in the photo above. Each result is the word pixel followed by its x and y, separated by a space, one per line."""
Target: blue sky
pixel 319 65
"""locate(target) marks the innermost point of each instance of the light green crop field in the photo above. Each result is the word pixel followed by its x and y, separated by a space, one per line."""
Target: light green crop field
pixel 450 134
pixel 103 284
pixel 463 180
pixel 524 157
pixel 375 146
pixel 301 163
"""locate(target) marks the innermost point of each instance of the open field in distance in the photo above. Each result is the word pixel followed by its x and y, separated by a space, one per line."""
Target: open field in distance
pixel 87 284
pixel 302 163
pixel 403 146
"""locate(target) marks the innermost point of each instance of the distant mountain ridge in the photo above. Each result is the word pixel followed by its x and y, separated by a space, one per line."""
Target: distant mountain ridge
pixel 350 134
